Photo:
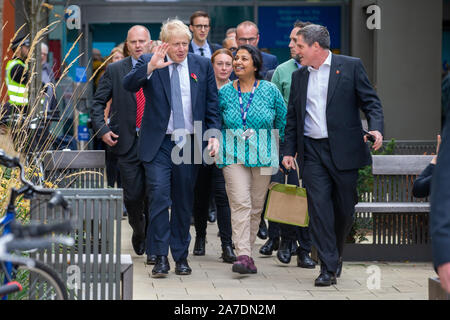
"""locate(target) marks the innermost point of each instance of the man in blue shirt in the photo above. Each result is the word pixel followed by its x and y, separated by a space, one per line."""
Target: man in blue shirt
pixel 200 24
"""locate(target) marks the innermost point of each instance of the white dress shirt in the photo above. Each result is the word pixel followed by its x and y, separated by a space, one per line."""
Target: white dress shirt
pixel 316 101
pixel 133 62
pixel 183 71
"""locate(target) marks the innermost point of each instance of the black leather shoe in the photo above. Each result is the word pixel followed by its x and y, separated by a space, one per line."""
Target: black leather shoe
pixel 325 279
pixel 270 246
pixel 262 232
pixel 138 242
pixel 294 247
pixel 182 268
pixel 161 268
pixel 339 268
pixel 305 261
pixel 284 252
pixel 212 216
pixel 228 255
pixel 151 259
pixel 199 246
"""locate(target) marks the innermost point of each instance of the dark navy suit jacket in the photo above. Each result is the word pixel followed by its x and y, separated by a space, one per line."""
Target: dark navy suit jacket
pixel 123 106
pixel 440 202
pixel 270 62
pixel 158 96
pixel 349 91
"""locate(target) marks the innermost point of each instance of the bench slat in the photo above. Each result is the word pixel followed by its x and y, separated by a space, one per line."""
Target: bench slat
pixel 392 207
pixel 399 165
pixel 74 159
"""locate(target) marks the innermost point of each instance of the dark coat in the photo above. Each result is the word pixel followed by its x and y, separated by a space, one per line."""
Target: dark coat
pixel 158 96
pixel 123 106
pixel 349 91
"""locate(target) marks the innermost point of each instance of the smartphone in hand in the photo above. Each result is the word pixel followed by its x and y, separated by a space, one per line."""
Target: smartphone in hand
pixel 370 137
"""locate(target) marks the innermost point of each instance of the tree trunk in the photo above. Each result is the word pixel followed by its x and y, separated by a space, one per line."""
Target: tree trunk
pixel 1 24
pixel 34 65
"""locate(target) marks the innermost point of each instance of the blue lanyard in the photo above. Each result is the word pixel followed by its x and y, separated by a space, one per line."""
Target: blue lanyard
pixel 244 112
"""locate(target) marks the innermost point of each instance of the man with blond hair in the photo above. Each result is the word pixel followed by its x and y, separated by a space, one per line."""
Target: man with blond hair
pixel 180 89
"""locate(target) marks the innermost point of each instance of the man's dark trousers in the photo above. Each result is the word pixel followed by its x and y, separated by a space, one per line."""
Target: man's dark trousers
pixel 163 176
pixel 132 176
pixel 331 201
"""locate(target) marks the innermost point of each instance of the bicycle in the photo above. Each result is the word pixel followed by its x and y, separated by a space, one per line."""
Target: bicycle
pixel 23 277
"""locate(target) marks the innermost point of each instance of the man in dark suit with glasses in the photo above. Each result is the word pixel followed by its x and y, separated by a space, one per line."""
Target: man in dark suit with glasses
pixel 200 24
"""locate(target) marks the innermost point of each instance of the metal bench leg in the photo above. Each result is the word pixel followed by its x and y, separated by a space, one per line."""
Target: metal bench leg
pixel 127 281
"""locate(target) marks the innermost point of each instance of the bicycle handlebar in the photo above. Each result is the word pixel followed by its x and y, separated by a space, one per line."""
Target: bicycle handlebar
pixel 10 287
pixel 57 198
pixel 36 243
pixel 37 230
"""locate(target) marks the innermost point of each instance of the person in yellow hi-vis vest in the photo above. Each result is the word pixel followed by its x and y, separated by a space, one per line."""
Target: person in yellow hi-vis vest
pixel 15 80
pixel 15 76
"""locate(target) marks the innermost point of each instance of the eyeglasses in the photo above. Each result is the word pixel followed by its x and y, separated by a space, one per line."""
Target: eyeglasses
pixel 232 49
pixel 201 26
pixel 247 40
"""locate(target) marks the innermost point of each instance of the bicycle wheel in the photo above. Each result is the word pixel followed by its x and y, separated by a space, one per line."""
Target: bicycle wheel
pixel 39 283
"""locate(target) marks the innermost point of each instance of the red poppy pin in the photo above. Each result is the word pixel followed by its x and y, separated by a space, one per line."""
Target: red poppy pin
pixel 338 72
pixel 194 76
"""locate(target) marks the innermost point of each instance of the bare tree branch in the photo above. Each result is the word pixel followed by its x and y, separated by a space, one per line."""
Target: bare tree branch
pixel 25 12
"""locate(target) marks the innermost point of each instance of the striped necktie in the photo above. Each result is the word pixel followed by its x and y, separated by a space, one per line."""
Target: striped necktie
pixel 140 101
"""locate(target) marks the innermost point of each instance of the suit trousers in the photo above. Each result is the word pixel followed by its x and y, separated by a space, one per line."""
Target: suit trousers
pixel 332 197
pixel 223 208
pixel 169 185
pixel 132 175
pixel 210 180
pixel 246 189
pixel 202 198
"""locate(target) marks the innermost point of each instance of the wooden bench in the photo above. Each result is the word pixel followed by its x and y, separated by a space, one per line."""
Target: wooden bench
pixel 400 224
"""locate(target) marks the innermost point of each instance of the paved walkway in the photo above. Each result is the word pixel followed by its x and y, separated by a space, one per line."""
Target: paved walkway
pixel 212 279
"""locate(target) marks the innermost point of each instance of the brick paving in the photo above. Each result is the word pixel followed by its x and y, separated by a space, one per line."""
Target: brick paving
pixel 212 279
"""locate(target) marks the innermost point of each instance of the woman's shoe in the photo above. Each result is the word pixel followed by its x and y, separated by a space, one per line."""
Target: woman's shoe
pixel 228 255
pixel 244 265
pixel 199 246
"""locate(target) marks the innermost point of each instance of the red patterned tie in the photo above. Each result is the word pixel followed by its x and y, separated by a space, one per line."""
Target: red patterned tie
pixel 140 101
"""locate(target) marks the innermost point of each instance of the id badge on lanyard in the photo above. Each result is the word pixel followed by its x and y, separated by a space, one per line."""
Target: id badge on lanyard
pixel 248 132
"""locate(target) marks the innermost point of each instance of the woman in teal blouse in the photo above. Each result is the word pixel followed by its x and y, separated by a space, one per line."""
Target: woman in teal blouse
pixel 253 119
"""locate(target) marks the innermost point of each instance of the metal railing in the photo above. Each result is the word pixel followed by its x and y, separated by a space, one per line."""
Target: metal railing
pixel 93 267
